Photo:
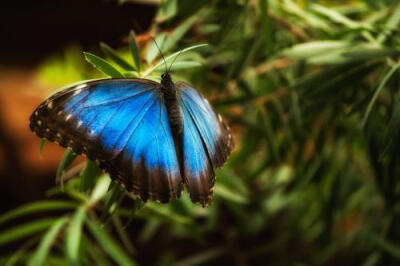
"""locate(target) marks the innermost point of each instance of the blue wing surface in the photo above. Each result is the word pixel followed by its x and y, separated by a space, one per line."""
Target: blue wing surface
pixel 121 123
pixel 198 171
pixel 152 149
pixel 207 142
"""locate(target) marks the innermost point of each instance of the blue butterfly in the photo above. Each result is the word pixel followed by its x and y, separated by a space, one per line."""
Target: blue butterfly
pixel 153 138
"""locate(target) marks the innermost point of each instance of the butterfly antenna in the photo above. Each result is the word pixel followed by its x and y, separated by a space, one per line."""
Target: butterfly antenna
pixel 173 61
pixel 165 62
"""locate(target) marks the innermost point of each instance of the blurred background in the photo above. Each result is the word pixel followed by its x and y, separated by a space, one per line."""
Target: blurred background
pixel 309 88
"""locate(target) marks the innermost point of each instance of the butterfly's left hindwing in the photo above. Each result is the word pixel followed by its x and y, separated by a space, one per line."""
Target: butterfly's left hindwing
pixel 121 123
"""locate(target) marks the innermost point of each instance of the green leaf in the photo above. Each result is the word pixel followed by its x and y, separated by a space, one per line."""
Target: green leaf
pixel 134 50
pixel 180 65
pixel 266 25
pixel 202 258
pixel 391 24
pixel 100 189
pixel 88 175
pixel 115 196
pixel 167 213
pixel 172 56
pixel 365 52
pixel 73 237
pixel 391 248
pixel 228 194
pixel 112 54
pixel 48 239
pixel 41 146
pixel 123 235
pixel 137 205
pixel 94 252
pixel 311 19
pixel 22 253
pixel 152 51
pixel 310 49
pixel 167 10
pixel 149 229
pixel 109 245
pixel 382 84
pixel 68 157
pixel 178 33
pixel 102 65
pixel 24 230
pixel 337 17
pixel 36 207
pixel 393 128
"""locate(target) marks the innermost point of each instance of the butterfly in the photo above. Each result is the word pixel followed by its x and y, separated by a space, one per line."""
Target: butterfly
pixel 152 138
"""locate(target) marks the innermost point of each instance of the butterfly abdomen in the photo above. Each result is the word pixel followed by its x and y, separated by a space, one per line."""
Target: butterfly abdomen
pixel 171 102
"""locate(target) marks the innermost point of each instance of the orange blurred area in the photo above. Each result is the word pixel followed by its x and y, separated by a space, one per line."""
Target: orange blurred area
pixel 22 171
pixel 38 44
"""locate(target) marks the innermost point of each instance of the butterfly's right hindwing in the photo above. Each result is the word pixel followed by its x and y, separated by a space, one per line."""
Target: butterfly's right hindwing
pixel 207 143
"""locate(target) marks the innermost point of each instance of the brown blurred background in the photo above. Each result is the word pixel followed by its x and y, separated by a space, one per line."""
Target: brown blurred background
pixel 32 32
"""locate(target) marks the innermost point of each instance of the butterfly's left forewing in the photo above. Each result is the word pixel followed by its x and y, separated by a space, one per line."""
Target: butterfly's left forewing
pixel 121 123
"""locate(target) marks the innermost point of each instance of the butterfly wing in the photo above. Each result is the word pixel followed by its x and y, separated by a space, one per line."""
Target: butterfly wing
pixel 119 123
pixel 207 143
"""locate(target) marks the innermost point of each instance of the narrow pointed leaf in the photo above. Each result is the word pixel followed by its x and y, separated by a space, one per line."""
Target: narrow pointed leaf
pixel 102 65
pixel 172 56
pixel 88 175
pixel 36 207
pixel 73 237
pixel 68 157
pixel 115 196
pixel 134 50
pixel 94 252
pixel 137 205
pixel 100 189
pixel 153 50
pixel 180 65
pixel 41 146
pixel 112 54
pixel 109 245
pixel 167 213
pixel 229 194
pixel 178 33
pixel 382 84
pixel 48 239
pixel 24 230
pixel 393 128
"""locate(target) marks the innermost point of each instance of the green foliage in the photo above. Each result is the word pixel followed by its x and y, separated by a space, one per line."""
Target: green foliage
pixel 311 90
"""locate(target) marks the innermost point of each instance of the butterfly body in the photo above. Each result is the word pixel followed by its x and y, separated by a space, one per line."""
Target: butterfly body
pixel 151 137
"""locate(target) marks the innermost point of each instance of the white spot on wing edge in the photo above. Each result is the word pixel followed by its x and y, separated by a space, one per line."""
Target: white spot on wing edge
pixel 50 105
pixel 68 117
pixel 219 118
pixel 79 123
pixel 39 122
pixel 79 88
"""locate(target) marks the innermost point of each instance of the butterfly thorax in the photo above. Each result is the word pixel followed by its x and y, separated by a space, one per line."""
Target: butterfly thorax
pixel 170 97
